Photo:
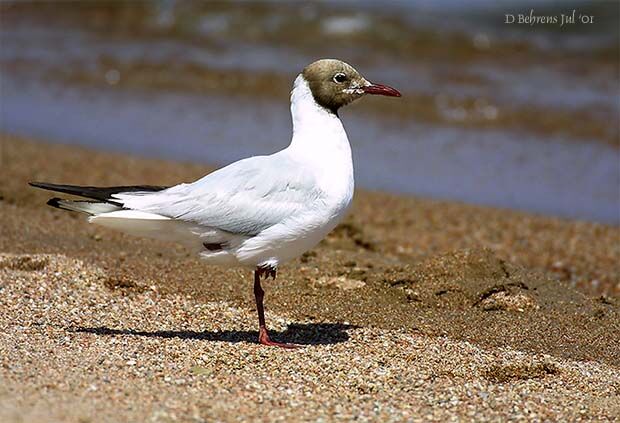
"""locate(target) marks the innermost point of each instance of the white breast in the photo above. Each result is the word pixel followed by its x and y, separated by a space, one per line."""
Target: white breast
pixel 320 144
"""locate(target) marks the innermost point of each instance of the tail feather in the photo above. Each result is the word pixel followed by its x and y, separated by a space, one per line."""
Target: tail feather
pixel 105 210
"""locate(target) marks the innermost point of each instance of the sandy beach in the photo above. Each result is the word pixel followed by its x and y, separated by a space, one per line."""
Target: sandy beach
pixel 412 309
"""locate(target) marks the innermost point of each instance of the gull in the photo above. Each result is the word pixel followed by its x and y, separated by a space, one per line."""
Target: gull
pixel 258 212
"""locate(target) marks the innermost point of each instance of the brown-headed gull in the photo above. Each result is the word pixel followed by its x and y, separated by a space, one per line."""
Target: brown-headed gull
pixel 258 212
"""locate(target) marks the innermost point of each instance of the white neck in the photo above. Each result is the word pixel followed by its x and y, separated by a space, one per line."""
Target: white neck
pixel 316 131
pixel 320 143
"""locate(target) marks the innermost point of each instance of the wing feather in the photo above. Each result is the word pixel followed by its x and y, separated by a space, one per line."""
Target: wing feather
pixel 243 198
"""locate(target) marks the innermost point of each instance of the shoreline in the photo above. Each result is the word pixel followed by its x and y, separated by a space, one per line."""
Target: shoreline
pixel 203 168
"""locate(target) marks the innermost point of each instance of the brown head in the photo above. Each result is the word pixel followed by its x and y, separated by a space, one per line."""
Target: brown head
pixel 334 84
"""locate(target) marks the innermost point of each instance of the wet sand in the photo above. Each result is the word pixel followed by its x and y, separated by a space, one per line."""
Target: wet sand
pixel 411 309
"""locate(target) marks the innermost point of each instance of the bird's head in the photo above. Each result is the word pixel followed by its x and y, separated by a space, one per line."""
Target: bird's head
pixel 334 84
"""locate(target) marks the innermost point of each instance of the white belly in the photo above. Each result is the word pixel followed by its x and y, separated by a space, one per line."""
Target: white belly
pixel 293 237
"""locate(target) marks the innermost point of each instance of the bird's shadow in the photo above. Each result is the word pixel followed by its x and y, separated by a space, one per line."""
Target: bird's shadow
pixel 302 334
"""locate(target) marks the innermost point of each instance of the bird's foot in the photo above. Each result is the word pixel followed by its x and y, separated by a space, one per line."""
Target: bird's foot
pixel 267 271
pixel 263 338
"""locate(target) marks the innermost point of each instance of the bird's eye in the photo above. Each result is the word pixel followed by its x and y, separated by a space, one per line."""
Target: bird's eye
pixel 340 77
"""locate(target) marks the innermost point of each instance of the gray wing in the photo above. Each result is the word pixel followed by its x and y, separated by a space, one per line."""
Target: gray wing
pixel 245 197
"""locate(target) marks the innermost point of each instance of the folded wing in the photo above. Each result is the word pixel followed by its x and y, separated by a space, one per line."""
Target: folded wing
pixel 243 198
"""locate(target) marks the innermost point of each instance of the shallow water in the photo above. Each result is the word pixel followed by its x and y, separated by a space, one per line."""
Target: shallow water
pixel 516 131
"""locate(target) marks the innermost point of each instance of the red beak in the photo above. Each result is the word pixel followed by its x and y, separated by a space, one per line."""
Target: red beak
pixel 381 90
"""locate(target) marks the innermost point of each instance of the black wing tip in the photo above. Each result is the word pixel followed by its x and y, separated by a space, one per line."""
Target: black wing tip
pixel 54 202
pixel 37 184
pixel 105 194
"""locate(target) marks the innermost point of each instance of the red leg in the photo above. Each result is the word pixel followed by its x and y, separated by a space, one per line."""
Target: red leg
pixel 263 334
